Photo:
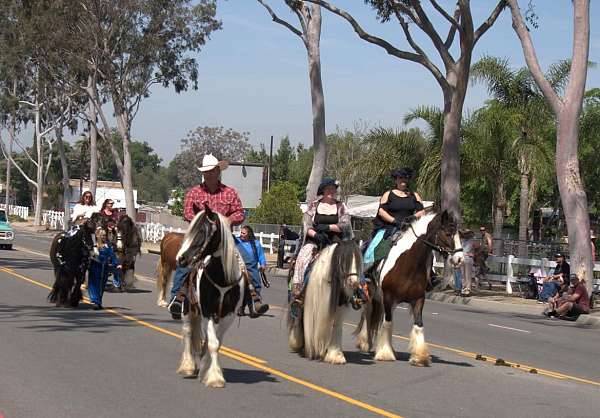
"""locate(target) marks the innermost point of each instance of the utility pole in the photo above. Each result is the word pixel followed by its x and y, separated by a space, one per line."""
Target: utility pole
pixel 270 165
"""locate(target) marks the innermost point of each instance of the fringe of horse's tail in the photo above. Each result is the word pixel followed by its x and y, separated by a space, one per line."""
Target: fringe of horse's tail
pixel 58 283
pixel 159 274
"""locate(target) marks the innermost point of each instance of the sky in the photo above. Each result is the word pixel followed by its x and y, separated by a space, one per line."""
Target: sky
pixel 254 76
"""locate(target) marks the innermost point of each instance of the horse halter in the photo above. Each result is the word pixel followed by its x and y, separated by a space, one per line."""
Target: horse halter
pixel 445 251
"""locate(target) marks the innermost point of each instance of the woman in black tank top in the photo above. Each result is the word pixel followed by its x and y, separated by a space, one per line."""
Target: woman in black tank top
pixel 399 204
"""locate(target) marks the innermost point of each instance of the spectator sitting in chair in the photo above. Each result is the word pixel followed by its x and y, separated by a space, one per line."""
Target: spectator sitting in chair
pixel 574 303
pixel 553 283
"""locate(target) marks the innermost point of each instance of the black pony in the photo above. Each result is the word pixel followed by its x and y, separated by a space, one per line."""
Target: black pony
pixel 70 254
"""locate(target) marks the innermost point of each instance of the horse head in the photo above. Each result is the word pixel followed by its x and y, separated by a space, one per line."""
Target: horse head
pixel 346 270
pixel 202 237
pixel 443 233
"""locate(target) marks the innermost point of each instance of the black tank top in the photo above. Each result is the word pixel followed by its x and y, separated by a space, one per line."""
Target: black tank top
pixel 321 219
pixel 399 208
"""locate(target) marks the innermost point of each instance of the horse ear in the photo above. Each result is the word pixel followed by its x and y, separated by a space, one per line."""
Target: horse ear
pixel 196 208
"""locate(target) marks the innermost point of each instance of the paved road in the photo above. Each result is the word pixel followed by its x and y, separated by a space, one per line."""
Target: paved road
pixel 121 362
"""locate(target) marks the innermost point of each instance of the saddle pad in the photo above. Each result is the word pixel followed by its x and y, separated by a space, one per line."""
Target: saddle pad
pixel 383 249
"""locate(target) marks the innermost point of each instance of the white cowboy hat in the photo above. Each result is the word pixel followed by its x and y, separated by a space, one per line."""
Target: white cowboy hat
pixel 210 161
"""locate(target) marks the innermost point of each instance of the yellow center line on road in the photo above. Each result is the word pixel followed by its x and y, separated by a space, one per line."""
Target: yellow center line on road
pixel 513 364
pixel 233 354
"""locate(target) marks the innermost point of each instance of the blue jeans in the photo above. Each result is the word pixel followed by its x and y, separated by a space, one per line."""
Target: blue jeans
pixel 458 280
pixel 117 278
pixel 180 275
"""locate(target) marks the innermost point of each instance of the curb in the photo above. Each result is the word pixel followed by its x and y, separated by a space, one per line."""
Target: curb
pixel 443 297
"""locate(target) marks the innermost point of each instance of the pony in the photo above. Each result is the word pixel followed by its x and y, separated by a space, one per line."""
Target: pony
pixel 70 253
pixel 167 263
pixel 214 290
pixel 127 243
pixel 403 277
pixel 333 279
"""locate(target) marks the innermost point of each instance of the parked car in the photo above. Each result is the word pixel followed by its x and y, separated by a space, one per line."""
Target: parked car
pixel 7 235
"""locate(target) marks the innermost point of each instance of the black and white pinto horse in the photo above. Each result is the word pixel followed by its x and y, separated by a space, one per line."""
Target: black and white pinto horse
pixel 214 293
pixel 70 253
pixel 127 243
pixel 333 279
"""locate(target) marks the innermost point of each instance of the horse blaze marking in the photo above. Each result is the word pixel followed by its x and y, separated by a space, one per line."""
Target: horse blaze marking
pixel 233 354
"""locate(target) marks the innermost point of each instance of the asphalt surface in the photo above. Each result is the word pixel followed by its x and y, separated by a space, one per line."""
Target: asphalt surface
pixel 57 362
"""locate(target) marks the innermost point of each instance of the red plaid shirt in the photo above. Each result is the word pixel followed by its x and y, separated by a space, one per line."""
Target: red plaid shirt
pixel 224 200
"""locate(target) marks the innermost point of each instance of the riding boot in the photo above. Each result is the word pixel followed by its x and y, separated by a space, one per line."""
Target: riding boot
pixel 256 307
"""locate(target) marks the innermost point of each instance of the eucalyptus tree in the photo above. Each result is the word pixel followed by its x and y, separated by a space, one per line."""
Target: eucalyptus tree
pixel 309 18
pixel 129 46
pixel 453 78
pixel 517 92
pixel 567 111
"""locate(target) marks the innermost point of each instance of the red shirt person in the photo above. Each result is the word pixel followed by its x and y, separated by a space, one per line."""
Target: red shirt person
pixel 219 198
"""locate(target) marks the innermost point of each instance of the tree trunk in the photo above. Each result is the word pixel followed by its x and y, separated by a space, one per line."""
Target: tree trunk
pixel 11 137
pixel 454 99
pixel 318 104
pixel 92 115
pixel 523 213
pixel 39 192
pixel 126 177
pixel 499 213
pixel 573 197
pixel 65 178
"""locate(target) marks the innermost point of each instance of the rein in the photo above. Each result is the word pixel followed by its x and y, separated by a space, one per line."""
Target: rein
pixel 444 251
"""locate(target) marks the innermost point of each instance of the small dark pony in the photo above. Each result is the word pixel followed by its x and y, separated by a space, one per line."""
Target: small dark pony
pixel 214 290
pixel 127 243
pixel 70 254
pixel 403 277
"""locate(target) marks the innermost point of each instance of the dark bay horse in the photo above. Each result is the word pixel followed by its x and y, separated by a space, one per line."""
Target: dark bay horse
pixel 403 277
pixel 70 254
pixel 214 291
pixel 127 243
pixel 167 263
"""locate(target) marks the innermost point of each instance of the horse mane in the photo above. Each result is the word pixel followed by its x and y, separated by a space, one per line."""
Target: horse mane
pixel 129 231
pixel 406 241
pixel 344 254
pixel 228 249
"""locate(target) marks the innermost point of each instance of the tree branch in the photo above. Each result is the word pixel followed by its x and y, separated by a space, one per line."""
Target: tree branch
pixel 453 20
pixel 389 48
pixel 430 31
pixel 453 29
pixel 280 21
pixel 531 57
pixel 13 162
pixel 483 28
pixel 581 47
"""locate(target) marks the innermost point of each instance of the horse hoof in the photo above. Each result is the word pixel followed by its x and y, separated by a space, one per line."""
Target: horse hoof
pixel 420 362
pixel 188 372
pixel 215 383
pixel 335 357
pixel 385 355
pixel 363 346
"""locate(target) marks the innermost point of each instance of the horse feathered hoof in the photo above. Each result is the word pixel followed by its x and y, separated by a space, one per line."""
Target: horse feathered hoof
pixel 419 362
pixel 215 383
pixel 335 357
pixel 385 354
pixel 188 372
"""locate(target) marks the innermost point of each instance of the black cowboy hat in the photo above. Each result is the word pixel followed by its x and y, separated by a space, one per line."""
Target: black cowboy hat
pixel 403 173
pixel 326 182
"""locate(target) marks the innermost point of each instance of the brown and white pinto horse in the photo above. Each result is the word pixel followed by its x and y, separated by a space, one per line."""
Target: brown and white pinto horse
pixel 403 277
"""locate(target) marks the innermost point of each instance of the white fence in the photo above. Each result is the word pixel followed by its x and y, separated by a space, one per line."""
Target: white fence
pixel 22 211
pixel 54 219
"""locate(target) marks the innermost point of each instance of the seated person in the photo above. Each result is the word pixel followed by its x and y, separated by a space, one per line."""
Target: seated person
pixel 326 221
pixel 555 282
pixel 574 303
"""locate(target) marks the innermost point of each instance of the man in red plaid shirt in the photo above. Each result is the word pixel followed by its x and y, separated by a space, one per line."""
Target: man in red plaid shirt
pixel 220 198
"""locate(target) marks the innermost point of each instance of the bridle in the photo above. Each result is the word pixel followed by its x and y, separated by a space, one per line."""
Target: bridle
pixel 445 251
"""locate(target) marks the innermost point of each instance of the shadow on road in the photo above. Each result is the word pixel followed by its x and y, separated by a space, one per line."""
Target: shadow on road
pixel 20 263
pixel 247 376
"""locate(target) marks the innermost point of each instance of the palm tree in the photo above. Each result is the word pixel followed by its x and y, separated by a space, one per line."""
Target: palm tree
pixel 516 90
pixel 429 178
